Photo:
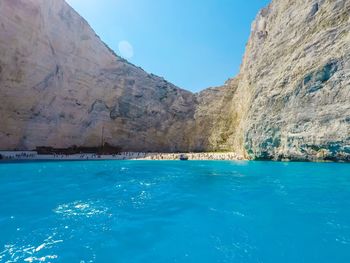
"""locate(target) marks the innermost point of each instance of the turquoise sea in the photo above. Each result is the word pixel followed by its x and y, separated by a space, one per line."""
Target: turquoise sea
pixel 173 211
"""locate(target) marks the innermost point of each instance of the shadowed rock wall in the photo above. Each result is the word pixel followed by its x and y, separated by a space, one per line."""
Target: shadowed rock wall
pixel 60 85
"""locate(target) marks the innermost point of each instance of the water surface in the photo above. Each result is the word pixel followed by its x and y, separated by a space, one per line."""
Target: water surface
pixel 172 211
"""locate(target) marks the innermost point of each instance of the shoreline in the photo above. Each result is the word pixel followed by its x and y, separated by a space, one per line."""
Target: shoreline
pixel 6 156
pixel 34 156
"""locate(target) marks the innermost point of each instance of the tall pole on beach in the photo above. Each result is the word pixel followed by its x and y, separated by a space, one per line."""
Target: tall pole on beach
pixel 102 137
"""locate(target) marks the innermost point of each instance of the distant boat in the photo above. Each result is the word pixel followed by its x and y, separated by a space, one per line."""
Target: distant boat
pixel 183 157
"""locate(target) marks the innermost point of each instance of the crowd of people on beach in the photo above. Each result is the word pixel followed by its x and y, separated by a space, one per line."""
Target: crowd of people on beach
pixel 122 156
pixel 18 155
pixel 194 156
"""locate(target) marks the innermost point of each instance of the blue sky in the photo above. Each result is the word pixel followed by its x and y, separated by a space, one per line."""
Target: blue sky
pixel 194 44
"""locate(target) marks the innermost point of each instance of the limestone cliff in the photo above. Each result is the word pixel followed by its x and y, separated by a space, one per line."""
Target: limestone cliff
pixel 60 85
pixel 291 98
pixel 217 119
pixel 297 72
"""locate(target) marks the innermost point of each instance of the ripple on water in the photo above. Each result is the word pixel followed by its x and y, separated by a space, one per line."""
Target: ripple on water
pixel 174 212
pixel 80 209
pixel 19 252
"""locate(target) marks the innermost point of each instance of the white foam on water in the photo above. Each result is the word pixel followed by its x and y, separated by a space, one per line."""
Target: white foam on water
pixel 237 174
pixel 40 247
pixel 140 199
pixel 28 252
pixel 124 169
pixel 80 208
pixel 41 259
pixel 145 184
pixel 342 240
pixel 238 214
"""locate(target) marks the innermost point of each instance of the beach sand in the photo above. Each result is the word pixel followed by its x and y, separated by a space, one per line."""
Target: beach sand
pixel 32 155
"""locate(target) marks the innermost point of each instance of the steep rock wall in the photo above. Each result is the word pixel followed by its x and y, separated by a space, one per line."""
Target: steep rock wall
pixel 291 99
pixel 298 72
pixel 61 86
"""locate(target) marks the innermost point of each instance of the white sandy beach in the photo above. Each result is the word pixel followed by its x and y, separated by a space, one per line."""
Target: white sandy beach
pixel 32 155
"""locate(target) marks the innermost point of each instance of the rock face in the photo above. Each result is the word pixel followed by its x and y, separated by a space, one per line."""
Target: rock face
pixel 291 98
pixel 217 119
pixel 61 85
pixel 297 70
